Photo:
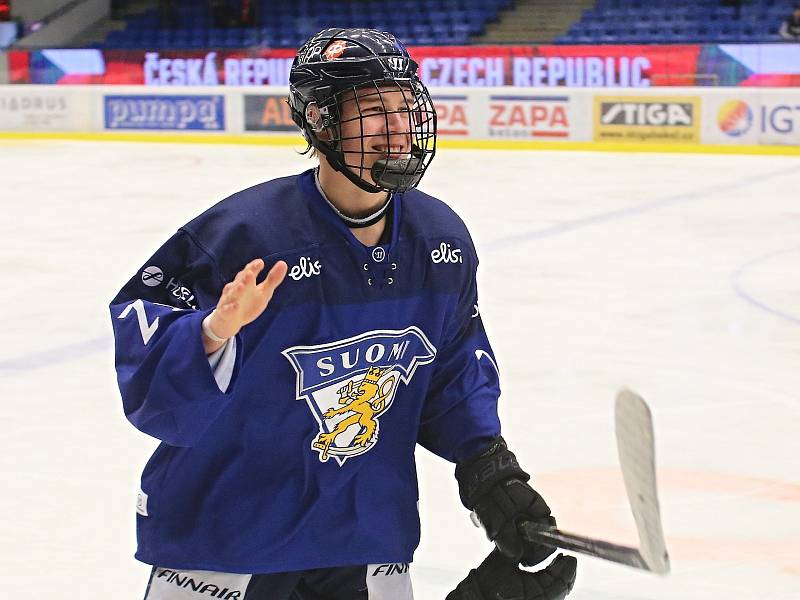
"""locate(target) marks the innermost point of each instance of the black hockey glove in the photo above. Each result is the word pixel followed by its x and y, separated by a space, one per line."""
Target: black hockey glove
pixel 495 487
pixel 501 577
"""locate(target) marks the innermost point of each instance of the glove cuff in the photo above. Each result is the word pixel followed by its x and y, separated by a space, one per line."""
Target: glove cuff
pixel 478 475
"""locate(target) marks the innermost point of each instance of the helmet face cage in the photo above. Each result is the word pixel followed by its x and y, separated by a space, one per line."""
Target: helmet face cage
pixel 383 132
pixel 357 98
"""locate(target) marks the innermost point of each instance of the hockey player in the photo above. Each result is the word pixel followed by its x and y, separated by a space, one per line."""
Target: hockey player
pixel 289 405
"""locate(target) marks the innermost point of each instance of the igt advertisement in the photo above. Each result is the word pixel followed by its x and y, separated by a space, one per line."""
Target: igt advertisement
pixel 772 119
pixel 775 65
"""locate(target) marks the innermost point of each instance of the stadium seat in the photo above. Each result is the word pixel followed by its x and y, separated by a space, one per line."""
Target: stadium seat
pixel 286 23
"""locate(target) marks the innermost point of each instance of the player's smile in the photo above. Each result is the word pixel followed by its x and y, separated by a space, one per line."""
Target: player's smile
pixel 392 151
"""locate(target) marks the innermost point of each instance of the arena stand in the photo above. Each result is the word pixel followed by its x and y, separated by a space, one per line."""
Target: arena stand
pixel 287 23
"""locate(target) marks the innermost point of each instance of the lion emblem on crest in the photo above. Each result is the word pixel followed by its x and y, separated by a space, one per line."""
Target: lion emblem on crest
pixel 350 383
pixel 366 400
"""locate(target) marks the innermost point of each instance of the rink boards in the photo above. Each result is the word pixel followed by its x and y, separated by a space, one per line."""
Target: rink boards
pixel 758 120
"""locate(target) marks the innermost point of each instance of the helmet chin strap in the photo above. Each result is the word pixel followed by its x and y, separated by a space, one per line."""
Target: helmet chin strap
pixel 336 162
pixel 352 222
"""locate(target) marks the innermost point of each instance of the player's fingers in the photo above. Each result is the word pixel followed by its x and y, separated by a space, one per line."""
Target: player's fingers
pixel 248 274
pixel 233 289
pixel 252 269
pixel 255 266
pixel 274 278
pixel 248 277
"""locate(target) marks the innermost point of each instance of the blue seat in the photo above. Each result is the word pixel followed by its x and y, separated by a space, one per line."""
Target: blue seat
pixel 461 29
pixel 401 31
pixel 421 30
pixel 680 38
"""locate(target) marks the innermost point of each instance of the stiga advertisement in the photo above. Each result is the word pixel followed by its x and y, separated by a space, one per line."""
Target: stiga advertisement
pixel 181 113
pixel 647 119
pixel 267 113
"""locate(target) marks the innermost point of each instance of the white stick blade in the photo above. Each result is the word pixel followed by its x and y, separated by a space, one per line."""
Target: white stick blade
pixel 634 429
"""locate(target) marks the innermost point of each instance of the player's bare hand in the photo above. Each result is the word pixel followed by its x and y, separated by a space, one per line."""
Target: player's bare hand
pixel 243 300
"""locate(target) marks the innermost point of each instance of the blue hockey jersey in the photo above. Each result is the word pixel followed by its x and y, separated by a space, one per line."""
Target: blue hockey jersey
pixel 292 447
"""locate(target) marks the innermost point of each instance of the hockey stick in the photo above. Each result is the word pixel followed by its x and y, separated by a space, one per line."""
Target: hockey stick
pixel 634 429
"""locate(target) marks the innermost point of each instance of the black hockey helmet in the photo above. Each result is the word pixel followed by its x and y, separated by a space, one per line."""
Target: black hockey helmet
pixel 338 65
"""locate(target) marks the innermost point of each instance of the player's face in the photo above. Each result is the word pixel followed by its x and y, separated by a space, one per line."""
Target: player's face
pixel 376 123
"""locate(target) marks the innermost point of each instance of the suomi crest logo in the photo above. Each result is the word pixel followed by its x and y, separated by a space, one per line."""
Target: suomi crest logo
pixel 348 384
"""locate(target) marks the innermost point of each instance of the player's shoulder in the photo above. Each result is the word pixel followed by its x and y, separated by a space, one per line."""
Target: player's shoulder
pixel 431 217
pixel 271 198
pixel 266 219
pixel 264 210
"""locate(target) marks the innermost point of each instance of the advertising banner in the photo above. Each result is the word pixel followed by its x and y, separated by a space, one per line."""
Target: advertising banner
pixel 156 68
pixel 161 112
pixel 28 109
pixel 652 118
pixel 495 117
pixel 267 112
pixel 453 115
pixel 557 66
pixel 601 66
pixel 777 121
pixel 769 119
pixel 8 34
pixel 528 117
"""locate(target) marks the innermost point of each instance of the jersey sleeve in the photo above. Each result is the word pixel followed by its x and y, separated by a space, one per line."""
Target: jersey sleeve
pixel 460 415
pixel 170 388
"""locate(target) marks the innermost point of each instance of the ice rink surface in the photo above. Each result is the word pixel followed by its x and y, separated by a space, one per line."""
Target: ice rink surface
pixel 675 275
